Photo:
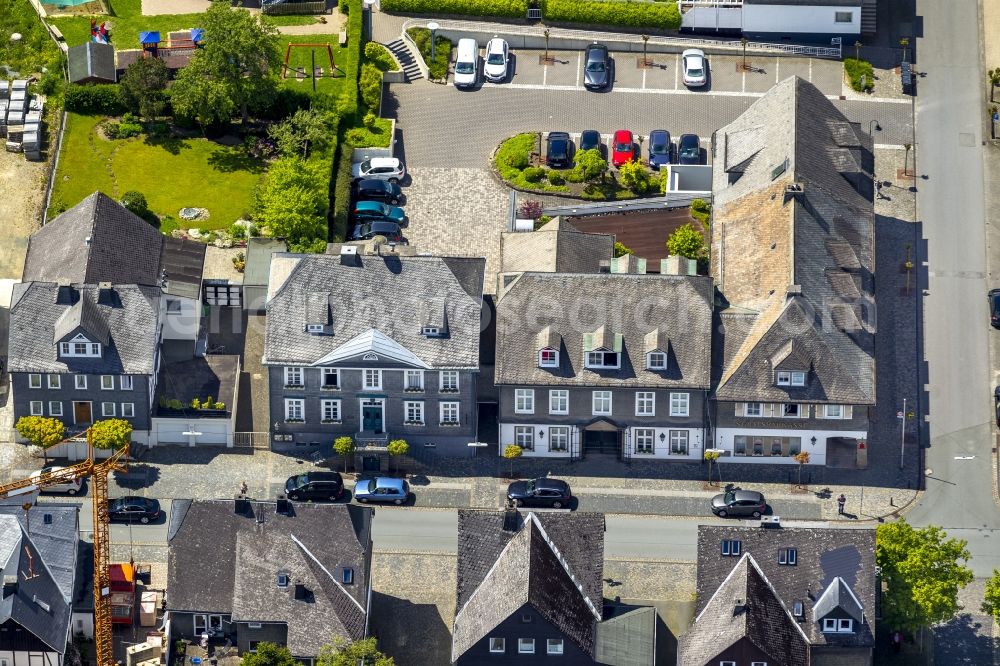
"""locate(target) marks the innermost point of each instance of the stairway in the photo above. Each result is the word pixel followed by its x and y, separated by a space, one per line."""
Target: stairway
pixel 869 13
pixel 404 56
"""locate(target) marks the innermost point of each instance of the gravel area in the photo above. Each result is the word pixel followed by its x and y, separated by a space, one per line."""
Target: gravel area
pixel 22 196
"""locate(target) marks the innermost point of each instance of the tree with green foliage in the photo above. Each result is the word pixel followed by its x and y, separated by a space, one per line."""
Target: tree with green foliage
pixel 398 447
pixel 633 175
pixel 110 434
pixel 238 65
pixel 590 165
pixel 922 572
pixel 344 446
pixel 42 431
pixel 269 654
pixel 686 241
pixel 303 130
pixel 359 653
pixel 711 457
pixel 512 452
pixel 991 600
pixel 292 200
pixel 142 87
pixel 135 201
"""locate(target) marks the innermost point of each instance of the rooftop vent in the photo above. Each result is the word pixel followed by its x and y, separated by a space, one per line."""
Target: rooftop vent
pixel 87 240
pixel 770 521
pixel 794 190
pixel 349 255
pixel 41 604
pixel 282 580
pixel 47 518
pixel 283 507
pixel 302 593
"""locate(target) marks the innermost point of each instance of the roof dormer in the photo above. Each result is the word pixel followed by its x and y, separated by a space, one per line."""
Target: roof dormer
pixel 318 319
pixel 838 610
pixel 434 322
pixel 548 345
pixel 790 366
pixel 602 349
pixel 656 346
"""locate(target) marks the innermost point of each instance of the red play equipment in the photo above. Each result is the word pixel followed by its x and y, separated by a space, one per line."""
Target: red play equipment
pixel 288 53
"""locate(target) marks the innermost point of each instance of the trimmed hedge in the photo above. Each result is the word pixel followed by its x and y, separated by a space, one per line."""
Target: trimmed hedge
pixel 102 99
pixel 855 70
pixel 355 28
pixel 664 16
pixel 438 67
pixel 505 8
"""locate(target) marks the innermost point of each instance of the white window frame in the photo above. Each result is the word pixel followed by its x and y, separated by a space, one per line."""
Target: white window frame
pixel 788 556
pixel 498 645
pixel 526 646
pixel 677 439
pixel 558 433
pixel 731 547
pixel 371 379
pixel 660 356
pixel 558 401
pixel 34 381
pixel 81 348
pixel 645 403
pixel 524 436
pixel 413 411
pixel 829 625
pixel 727 663
pixel 36 408
pixel 53 381
pixel 108 409
pixel 798 379
pixel 758 409
pixel 125 382
pixel 680 404
pixel 330 410
pixel 783 378
pixel 597 359
pixel 128 410
pixel 107 382
pixel 55 408
pixel 80 382
pixel 845 625
pixel 758 663
pixel 554 646
pixel 431 331
pixel 413 380
pixel 837 409
pixel 327 372
pixel 552 363
pixel 446 408
pixel 843 17
pixel 602 396
pixel 295 409
pixel 642 437
pixel 314 328
pixel 448 381
pixel 294 376
pixel 524 401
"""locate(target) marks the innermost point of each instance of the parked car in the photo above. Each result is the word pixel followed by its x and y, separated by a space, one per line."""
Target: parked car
pixel 373 189
pixel 365 211
pixel 597 67
pixel 370 230
pixel 591 140
pixel 695 68
pixel 739 502
pixel 497 60
pixel 994 297
pixel 68 487
pixel 689 149
pixel 466 63
pixel 661 148
pixel 622 148
pixel 315 486
pixel 558 150
pixel 540 492
pixel 131 509
pixel 382 489
pixel 384 168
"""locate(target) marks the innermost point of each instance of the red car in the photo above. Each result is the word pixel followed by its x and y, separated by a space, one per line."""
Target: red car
pixel 622 148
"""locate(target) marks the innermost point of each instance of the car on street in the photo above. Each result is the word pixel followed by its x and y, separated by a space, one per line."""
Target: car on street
pixel 68 487
pixel 689 149
pixel 597 67
pixel 383 168
pixel 497 60
pixel 695 68
pixel 366 211
pixel 382 489
pixel 540 492
pixel 622 147
pixel 590 140
pixel 739 502
pixel 132 509
pixel 558 150
pixel 661 149
pixel 373 189
pixel 370 230
pixel 315 486
pixel 994 296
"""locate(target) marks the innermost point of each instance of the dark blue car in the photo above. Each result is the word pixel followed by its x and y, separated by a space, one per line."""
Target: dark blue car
pixel 661 149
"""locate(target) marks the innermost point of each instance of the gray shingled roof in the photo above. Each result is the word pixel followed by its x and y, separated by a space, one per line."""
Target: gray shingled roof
pixel 810 3
pixel 128 320
pixel 557 247
pixel 380 294
pixel 629 305
pixel 56 539
pixel 822 555
pixel 838 595
pixel 92 62
pixel 745 606
pixel 554 562
pixel 220 561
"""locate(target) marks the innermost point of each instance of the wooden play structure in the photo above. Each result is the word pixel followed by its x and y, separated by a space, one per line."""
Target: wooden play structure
pixel 318 72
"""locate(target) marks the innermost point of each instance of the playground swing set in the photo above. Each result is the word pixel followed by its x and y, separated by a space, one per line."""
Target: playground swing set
pixel 317 72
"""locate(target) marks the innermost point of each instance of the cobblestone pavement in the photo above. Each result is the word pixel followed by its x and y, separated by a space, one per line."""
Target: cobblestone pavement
pixel 969 637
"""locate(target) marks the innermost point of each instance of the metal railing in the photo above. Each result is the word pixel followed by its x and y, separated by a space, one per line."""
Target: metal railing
pixel 418 57
pixel 252 440
pixel 668 201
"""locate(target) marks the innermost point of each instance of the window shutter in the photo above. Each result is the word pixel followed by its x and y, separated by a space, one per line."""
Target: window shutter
pixel 768 409
pixel 803 411
pixel 848 411
pixel 821 411
pixel 741 409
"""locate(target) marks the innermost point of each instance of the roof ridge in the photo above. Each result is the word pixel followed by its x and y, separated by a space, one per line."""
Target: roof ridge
pixel 325 570
pixel 565 565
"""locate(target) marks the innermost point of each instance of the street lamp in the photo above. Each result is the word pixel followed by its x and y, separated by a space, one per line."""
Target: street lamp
pixel 433 27
pixel 645 60
pixel 878 128
pixel 743 41
pixel 546 33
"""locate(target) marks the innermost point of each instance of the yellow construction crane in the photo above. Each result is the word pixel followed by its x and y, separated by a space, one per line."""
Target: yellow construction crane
pixel 97 472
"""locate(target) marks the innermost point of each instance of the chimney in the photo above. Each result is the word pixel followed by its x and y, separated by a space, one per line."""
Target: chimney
pixel 793 290
pixel 349 255
pixel 242 506
pixel 740 606
pixel 794 191
pixel 104 292
pixel 87 240
pixel 9 585
pixel 678 265
pixel 511 520
pixel 283 507
pixel 301 593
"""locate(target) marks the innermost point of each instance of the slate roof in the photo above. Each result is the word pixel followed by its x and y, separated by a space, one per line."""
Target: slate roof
pixel 554 562
pixel 809 3
pixel 92 62
pixel 628 637
pixel 381 297
pixel 42 312
pixel 557 247
pixel 822 555
pixel 746 607
pixel 56 540
pixel 574 306
pixel 99 240
pixel 793 243
pixel 220 561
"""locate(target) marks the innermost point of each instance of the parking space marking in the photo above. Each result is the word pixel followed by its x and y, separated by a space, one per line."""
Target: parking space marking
pixel 677 71
pixel 810 70
pixel 644 78
pixel 545 73
pixel 578 62
pixel 777 71
pixel 743 84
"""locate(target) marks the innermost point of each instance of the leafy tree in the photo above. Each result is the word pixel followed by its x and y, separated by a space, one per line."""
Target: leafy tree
pixel 269 654
pixel 512 452
pixel 633 176
pixel 304 130
pixel 42 431
pixel 921 570
pixel 142 87
pixel 711 457
pixel 358 653
pixel 398 447
pixel 991 602
pixel 135 201
pixel 344 446
pixel 292 200
pixel 621 249
pixel 686 241
pixel 802 458
pixel 590 165
pixel 370 86
pixel 993 76
pixel 238 64
pixel 110 434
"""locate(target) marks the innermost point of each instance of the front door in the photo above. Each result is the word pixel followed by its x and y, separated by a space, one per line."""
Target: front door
pixel 371 464
pixel 600 441
pixel 81 412
pixel 371 417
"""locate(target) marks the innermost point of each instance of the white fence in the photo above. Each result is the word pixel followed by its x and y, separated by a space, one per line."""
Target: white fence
pixel 670 200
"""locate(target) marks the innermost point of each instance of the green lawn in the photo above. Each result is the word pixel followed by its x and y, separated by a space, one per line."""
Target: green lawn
pixel 172 173
pixel 300 57
pixel 35 49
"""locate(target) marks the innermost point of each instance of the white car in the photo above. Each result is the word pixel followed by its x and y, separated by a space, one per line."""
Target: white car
pixel 497 60
pixel 695 68
pixel 383 168
pixel 69 487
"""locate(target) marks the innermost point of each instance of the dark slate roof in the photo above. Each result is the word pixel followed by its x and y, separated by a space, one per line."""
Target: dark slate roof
pixel 56 540
pixel 99 240
pixel 744 607
pixel 38 605
pixel 245 553
pixel 92 62
pixel 382 299
pixel 627 637
pixel 808 3
pixel 554 562
pixel 630 305
pixel 822 555
pixel 127 320
pixel 803 260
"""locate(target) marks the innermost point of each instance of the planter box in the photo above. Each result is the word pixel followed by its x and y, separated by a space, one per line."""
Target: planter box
pixel 362 154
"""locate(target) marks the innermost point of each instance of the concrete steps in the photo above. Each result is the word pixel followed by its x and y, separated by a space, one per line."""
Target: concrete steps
pixel 406 60
pixel 869 13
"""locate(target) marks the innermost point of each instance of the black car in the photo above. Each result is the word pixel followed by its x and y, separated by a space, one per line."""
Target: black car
pixel 373 189
pixel 315 486
pixel 540 492
pixel 591 140
pixel 133 509
pixel 689 149
pixel 994 296
pixel 597 67
pixel 370 230
pixel 558 150
pixel 739 503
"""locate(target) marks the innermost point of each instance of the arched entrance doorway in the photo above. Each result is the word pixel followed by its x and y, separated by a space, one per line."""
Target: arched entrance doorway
pixel 602 436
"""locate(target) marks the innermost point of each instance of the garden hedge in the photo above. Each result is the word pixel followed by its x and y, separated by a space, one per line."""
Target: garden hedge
pixel 104 99
pixel 856 69
pixel 664 16
pixel 355 41
pixel 504 8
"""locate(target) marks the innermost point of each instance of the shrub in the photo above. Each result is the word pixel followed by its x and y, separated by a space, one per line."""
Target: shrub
pixel 530 210
pixel 701 210
pixel 379 56
pixel 621 249
pixel 341 192
pixel 370 86
pixel 686 241
pixel 556 178
pixel 438 67
pixel 371 120
pixel 630 14
pixel 135 202
pixel 126 129
pixel 855 69
pixel 102 99
pixel 514 154
pixel 633 175
pixel 504 8
pixel 533 174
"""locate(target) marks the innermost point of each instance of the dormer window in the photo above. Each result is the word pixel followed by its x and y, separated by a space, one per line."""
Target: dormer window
pixel 431 331
pixel 80 349
pixel 787 378
pixel 602 358
pixel 314 328
pixel 838 625
pixel 656 360
pixel 602 349
pixel 548 358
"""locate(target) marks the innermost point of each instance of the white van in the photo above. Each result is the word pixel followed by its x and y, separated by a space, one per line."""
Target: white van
pixel 467 63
